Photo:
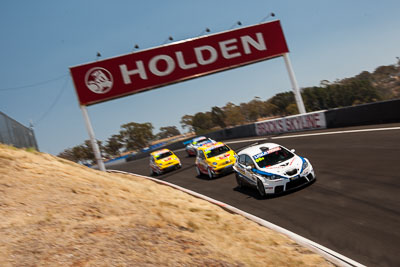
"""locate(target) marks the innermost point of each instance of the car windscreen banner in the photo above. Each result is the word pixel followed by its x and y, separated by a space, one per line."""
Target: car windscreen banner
pixel 151 68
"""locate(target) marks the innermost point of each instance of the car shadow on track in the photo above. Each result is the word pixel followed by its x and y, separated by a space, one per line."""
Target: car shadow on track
pixel 174 172
pixel 253 193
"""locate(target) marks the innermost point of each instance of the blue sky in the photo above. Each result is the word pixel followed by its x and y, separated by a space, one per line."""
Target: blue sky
pixel 40 40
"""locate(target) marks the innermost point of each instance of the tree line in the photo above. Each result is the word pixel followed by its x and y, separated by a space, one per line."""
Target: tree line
pixel 366 87
pixel 132 136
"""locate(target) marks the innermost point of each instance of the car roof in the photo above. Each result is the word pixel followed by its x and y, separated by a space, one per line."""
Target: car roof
pixel 198 138
pixel 160 151
pixel 256 149
pixel 209 145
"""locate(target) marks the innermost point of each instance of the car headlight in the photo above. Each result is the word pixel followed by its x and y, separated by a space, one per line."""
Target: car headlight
pixel 160 164
pixel 273 177
pixel 305 165
pixel 270 177
pixel 214 163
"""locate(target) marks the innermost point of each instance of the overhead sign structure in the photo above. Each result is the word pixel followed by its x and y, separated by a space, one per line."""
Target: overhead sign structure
pixel 136 72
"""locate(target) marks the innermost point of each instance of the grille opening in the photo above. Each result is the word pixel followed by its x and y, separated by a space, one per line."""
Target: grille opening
pixel 278 189
pixel 296 183
pixel 291 172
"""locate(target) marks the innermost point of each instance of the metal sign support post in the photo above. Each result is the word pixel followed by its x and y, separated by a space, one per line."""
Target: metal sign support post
pixel 296 89
pixel 95 146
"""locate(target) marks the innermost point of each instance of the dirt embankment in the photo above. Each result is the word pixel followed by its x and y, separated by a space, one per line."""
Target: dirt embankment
pixel 57 213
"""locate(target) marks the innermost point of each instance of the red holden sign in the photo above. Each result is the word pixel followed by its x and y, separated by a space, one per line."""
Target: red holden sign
pixel 136 72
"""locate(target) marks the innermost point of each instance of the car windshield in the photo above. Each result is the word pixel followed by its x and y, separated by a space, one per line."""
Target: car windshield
pixel 272 157
pixel 163 155
pixel 203 142
pixel 199 141
pixel 216 151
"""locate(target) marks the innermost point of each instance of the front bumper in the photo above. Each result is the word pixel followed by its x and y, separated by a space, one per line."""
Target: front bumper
pixel 224 169
pixel 288 184
pixel 170 167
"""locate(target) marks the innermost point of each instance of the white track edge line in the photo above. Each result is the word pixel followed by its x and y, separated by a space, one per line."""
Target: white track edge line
pixel 316 134
pixel 325 252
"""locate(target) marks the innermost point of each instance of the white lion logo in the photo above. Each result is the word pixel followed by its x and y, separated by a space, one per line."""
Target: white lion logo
pixel 99 80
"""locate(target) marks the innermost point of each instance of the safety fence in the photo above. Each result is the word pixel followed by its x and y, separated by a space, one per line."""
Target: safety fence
pixel 15 134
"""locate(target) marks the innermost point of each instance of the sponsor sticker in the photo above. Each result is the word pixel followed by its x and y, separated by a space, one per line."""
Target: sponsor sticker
pixel 262 154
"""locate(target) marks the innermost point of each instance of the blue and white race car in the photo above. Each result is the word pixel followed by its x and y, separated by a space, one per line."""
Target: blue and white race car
pixel 272 169
pixel 191 148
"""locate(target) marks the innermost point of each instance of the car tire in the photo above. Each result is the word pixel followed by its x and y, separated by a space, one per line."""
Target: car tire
pixel 260 188
pixel 198 172
pixel 239 180
pixel 210 174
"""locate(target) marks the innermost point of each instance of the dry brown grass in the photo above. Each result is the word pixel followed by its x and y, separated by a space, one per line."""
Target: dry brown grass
pixel 57 213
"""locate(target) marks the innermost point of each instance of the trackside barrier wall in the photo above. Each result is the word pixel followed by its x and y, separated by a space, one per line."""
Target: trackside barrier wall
pixel 232 133
pixel 296 123
pixel 15 134
pixel 366 114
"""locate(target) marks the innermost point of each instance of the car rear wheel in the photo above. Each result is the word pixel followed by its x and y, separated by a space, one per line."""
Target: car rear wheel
pixel 239 181
pixel 260 188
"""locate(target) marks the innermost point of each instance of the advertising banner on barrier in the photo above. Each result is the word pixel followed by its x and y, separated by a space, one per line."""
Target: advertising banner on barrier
pixel 309 121
pixel 139 71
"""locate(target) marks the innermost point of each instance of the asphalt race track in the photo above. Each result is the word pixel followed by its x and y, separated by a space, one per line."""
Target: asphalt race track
pixel 353 207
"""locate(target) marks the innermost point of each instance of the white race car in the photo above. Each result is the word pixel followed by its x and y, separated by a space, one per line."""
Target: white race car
pixel 272 169
pixel 192 145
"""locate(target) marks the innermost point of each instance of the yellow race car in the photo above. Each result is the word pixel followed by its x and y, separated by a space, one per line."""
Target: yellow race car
pixel 215 159
pixel 162 161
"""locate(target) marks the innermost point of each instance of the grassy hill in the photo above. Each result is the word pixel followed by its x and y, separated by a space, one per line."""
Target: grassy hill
pixel 58 213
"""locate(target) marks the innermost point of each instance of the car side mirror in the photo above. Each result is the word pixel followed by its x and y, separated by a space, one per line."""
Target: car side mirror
pixel 293 150
pixel 248 167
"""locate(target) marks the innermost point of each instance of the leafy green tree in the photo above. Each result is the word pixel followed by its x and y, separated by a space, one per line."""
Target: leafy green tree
pixel 168 131
pixel 135 135
pixel 187 122
pixel 218 117
pixel 282 100
pixel 269 109
pixel 292 109
pixel 82 153
pixel 253 109
pixel 383 72
pixel 202 122
pixel 87 153
pixel 233 114
pixel 114 145
pixel 68 154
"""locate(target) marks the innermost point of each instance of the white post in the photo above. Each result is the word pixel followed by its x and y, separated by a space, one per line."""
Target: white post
pixel 95 146
pixel 297 95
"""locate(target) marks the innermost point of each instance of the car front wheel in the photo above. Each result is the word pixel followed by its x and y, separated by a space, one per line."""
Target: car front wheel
pixel 210 174
pixel 260 188
pixel 198 172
